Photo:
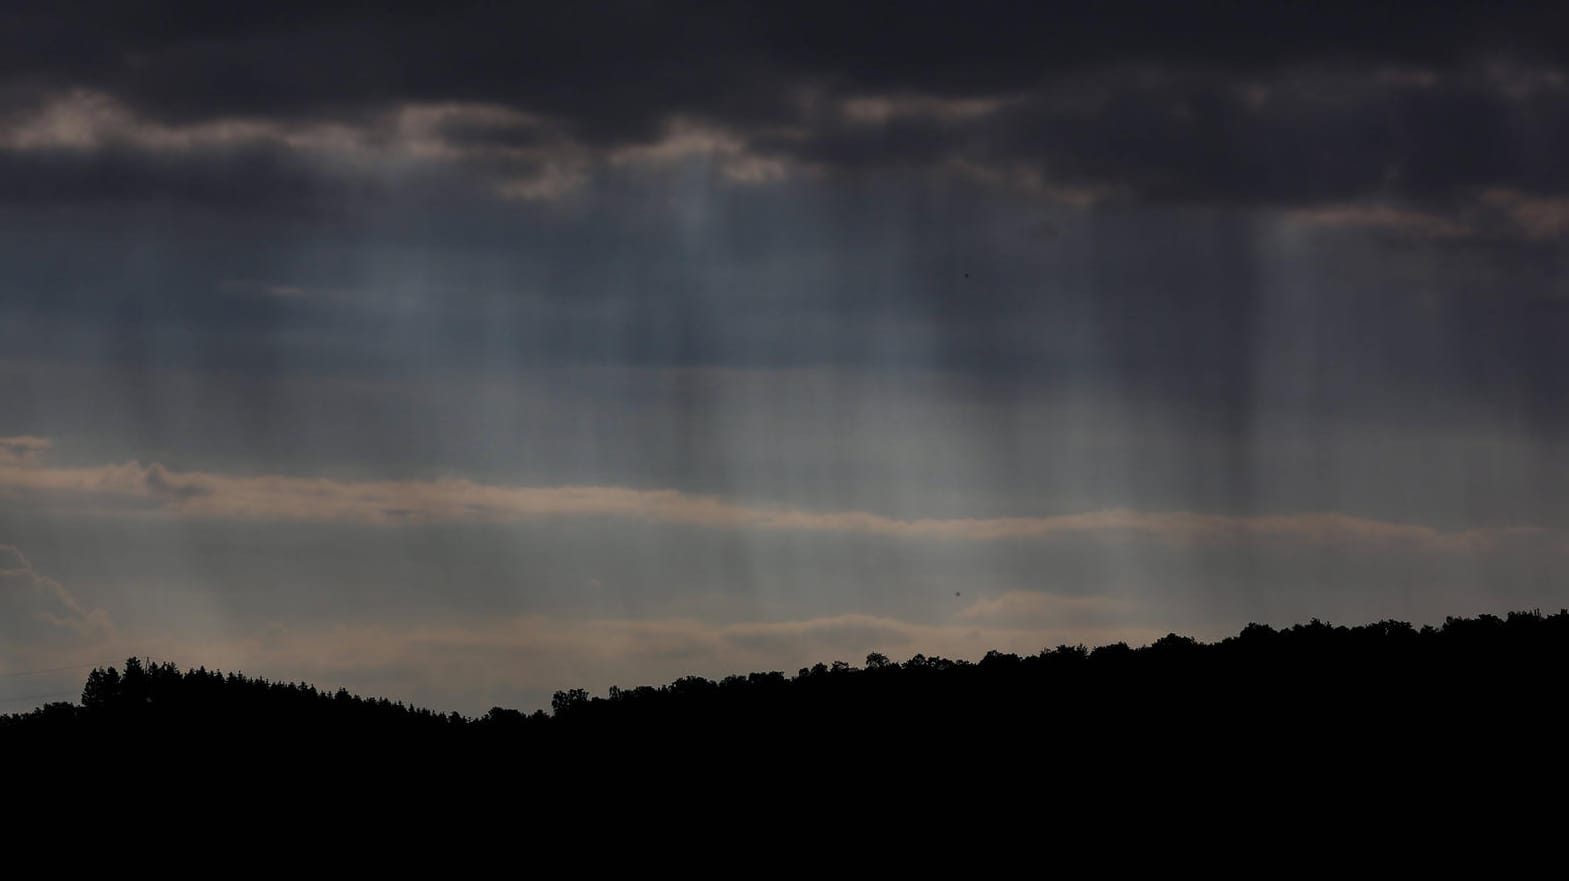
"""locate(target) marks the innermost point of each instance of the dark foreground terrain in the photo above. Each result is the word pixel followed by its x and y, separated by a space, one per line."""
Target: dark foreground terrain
pixel 1383 688
pixel 1344 728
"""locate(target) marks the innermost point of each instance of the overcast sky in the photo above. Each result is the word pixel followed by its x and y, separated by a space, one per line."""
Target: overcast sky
pixel 459 355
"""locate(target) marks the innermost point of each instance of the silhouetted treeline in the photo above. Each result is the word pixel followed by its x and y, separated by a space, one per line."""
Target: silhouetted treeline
pixel 1384 735
pixel 1386 686
pixel 160 695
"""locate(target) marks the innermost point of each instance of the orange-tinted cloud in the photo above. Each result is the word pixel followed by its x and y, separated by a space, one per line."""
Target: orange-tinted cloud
pixel 133 488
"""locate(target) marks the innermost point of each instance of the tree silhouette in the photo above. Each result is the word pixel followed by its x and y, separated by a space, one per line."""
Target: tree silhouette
pixel 1311 702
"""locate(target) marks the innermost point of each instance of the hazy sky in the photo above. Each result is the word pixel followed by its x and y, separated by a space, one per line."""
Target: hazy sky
pixel 460 354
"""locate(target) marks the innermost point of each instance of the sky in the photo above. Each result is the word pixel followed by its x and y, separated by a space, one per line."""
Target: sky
pixel 460 353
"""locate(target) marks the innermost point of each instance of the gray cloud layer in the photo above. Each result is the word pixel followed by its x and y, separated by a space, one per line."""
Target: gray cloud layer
pixel 133 487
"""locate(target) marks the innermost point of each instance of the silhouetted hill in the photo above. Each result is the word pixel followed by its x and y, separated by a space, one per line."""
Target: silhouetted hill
pixel 1310 731
pixel 1366 688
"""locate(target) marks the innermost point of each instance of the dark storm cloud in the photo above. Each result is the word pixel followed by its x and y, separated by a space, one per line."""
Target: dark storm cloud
pixel 1208 101
pixel 1312 137
pixel 197 59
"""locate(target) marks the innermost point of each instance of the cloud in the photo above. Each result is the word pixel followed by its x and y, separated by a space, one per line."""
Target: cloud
pixel 22 450
pixel 1493 215
pixel 1534 218
pixel 1403 222
pixel 1041 609
pixel 77 136
pixel 600 63
pixel 884 109
pixel 155 489
pixel 38 613
pixel 80 120
pixel 1200 103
